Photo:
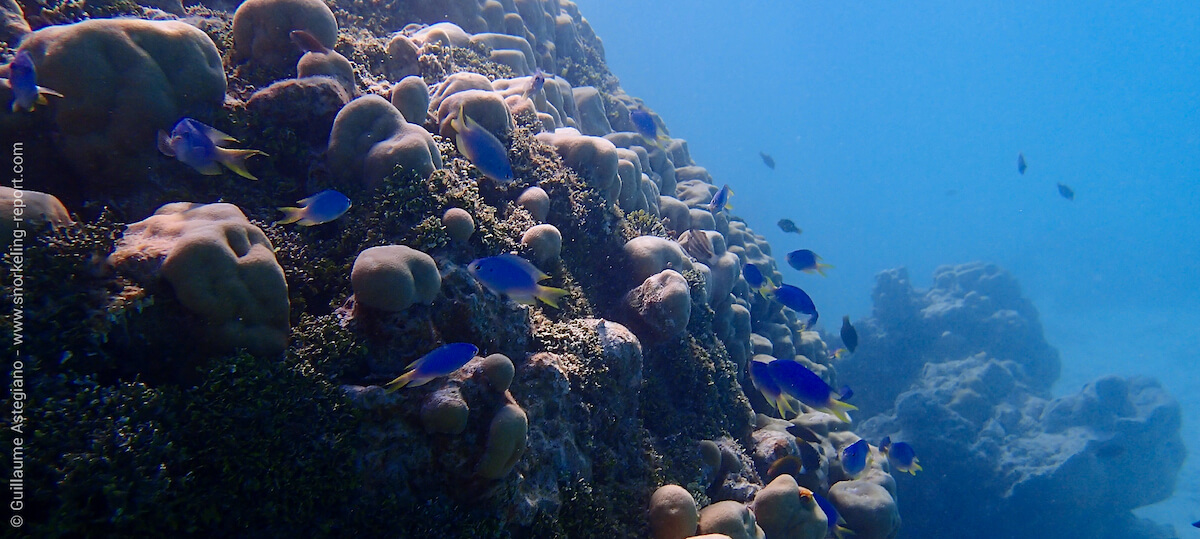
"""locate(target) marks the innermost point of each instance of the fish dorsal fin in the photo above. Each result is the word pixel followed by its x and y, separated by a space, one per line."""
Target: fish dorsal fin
pixel 213 133
pixel 525 265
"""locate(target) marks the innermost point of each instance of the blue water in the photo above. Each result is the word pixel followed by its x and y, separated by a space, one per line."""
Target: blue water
pixel 896 129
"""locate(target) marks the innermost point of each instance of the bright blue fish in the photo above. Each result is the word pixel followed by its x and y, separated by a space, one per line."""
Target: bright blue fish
pixel 903 457
pixel 22 80
pixel 720 201
pixel 482 148
pixel 796 381
pixel 831 514
pixel 797 300
pixel 199 146
pixel 643 121
pixel 320 208
pixel 805 260
pixel 443 360
pixel 760 376
pixel 885 444
pixel 513 276
pixel 854 457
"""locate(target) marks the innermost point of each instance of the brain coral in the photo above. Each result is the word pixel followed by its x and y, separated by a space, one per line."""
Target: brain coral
pixel 221 267
pixel 261 29
pixel 370 138
pixel 124 79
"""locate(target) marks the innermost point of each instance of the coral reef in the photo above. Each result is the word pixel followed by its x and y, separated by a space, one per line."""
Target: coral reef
pixel 228 377
pixel 969 374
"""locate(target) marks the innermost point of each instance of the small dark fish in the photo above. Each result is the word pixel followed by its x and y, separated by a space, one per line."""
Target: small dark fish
pixel 644 123
pixel 1066 192
pixel 787 225
pixel 758 282
pixel 804 433
pixel 1021 163
pixel 535 84
pixel 308 42
pixel 797 300
pixel 807 261
pixel 767 160
pixel 790 465
pixel 809 455
pixel 885 444
pixel 1196 524
pixel 849 335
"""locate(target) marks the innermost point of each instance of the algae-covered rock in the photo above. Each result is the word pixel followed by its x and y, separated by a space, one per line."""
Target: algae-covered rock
pixel 868 508
pixel 673 513
pixel 371 139
pixel 411 97
pixel 12 22
pixel 661 306
pixel 459 224
pixel 307 106
pixel 730 518
pixel 445 412
pixel 262 28
pixel 785 510
pixel 221 267
pixel 393 277
pixel 31 206
pixel 544 242
pixel 648 255
pixel 122 80
pixel 505 442
pixel 536 201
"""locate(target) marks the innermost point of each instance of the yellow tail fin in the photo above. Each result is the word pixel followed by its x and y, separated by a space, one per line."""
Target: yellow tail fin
pixel 838 409
pixel 235 160
pixel 290 215
pixel 550 295
pixel 400 381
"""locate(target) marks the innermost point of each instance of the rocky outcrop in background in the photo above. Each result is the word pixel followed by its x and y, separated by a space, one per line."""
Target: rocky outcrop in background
pixel 962 371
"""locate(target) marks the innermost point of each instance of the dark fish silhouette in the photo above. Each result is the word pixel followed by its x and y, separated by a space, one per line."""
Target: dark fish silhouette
pixel 767 160
pixel 849 335
pixel 804 433
pixel 787 225
pixel 1196 524
pixel 1066 192
pixel 791 465
pixel 1021 163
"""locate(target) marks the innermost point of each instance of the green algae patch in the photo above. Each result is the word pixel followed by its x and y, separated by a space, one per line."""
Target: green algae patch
pixel 129 459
